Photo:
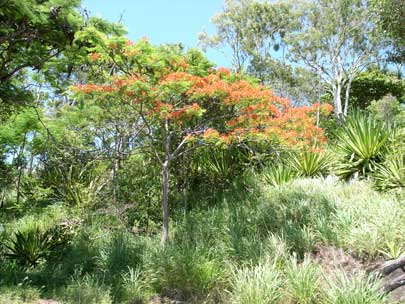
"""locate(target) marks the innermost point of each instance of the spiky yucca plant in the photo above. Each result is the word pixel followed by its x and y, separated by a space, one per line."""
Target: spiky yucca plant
pixel 361 144
pixel 279 175
pixel 390 175
pixel 311 164
pixel 30 247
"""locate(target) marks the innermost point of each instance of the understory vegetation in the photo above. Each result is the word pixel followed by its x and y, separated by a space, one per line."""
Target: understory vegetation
pixel 258 244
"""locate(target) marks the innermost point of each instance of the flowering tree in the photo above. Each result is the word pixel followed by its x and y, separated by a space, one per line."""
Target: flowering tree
pixel 181 104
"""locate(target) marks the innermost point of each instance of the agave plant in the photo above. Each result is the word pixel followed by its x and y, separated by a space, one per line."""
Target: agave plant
pixel 390 175
pixel 30 247
pixel 222 165
pixel 361 143
pixel 279 175
pixel 310 164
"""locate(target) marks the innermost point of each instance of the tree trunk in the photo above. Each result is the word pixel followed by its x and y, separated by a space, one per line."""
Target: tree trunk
pixel 348 87
pixel 165 202
pixel 338 100
pixel 20 168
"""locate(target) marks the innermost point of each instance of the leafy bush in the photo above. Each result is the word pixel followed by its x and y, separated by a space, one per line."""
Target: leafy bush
pixel 310 164
pixel 138 183
pixel 361 144
pixel 260 284
pixel 279 175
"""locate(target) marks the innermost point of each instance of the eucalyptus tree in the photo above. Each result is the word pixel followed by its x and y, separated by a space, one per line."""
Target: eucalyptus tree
pixel 337 40
pixel 255 32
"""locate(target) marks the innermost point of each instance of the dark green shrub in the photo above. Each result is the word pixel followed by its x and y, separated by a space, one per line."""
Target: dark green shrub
pixel 30 247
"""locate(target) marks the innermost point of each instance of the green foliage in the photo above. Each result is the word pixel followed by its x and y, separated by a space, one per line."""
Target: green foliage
pixel 390 15
pixel 259 284
pixel 30 247
pixel 388 109
pixel 41 35
pixel 121 252
pixel 21 294
pixel 393 251
pixel 303 281
pixel 293 213
pixel 279 175
pixel 361 144
pixel 218 166
pixel 373 85
pixel 359 289
pixel 138 185
pixel 311 164
pixel 390 175
pixel 184 272
pixel 87 290
pixel 134 286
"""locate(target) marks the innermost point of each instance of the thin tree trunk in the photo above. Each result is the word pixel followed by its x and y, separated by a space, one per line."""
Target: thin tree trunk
pixel 347 95
pixel 165 202
pixel 338 100
pixel 3 196
pixel 20 168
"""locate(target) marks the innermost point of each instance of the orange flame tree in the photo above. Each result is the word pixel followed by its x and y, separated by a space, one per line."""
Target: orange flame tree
pixel 182 104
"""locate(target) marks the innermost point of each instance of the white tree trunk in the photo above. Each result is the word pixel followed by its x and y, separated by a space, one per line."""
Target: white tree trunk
pixel 347 95
pixel 337 100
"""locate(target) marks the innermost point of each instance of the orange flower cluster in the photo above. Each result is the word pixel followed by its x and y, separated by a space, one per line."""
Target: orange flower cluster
pixel 179 76
pixel 93 88
pixel 223 71
pixel 94 56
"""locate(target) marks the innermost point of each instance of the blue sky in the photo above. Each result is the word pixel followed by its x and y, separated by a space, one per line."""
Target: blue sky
pixel 163 21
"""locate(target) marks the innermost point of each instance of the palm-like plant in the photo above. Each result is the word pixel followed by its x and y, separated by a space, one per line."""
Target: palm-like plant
pixel 310 164
pixel 279 175
pixel 391 174
pixel 361 143
pixel 31 246
pixel 221 165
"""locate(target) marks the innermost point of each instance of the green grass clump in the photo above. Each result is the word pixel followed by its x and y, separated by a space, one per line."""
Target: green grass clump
pixel 86 289
pixel 303 281
pixel 358 289
pixel 20 294
pixel 260 284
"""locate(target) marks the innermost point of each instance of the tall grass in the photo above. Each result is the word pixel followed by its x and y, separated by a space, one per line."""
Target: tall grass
pixel 358 289
pixel 303 281
pixel 260 284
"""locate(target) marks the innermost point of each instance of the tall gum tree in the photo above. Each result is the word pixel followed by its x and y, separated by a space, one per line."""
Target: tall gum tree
pixel 182 104
pixel 337 40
